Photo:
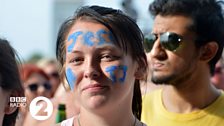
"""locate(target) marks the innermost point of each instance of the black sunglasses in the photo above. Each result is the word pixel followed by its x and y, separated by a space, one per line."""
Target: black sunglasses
pixel 34 86
pixel 169 40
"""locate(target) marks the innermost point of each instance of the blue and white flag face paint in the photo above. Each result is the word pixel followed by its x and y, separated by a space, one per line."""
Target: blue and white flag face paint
pixel 71 78
pixel 111 70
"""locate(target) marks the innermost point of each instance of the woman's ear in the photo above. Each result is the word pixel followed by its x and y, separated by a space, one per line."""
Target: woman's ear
pixel 8 108
pixel 208 51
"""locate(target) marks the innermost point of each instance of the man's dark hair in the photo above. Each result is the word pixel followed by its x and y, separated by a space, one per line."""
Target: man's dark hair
pixel 207 17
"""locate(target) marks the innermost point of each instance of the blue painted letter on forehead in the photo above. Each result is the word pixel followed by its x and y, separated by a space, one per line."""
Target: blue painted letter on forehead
pixel 74 37
pixel 112 69
pixel 87 39
pixel 88 36
pixel 102 40
pixel 71 78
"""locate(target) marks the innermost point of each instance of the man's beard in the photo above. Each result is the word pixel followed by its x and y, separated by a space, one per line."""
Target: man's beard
pixel 172 79
pixel 163 79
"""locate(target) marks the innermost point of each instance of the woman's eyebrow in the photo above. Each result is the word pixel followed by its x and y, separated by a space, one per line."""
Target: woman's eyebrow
pixel 106 47
pixel 75 51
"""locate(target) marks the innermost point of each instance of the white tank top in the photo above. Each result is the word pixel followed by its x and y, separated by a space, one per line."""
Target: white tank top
pixel 67 122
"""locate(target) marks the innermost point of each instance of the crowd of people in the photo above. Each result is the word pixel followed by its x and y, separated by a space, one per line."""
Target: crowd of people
pixel 108 73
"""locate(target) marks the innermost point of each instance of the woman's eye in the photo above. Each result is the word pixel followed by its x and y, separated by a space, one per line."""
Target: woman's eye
pixel 109 58
pixel 76 61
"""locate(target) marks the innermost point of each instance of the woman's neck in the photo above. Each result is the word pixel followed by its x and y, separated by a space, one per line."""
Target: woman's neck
pixel 115 118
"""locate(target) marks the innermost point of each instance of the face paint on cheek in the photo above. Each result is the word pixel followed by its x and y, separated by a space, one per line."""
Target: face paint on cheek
pixel 71 78
pixel 111 71
pixel 74 37
pixel 124 69
pixel 102 40
pixel 87 39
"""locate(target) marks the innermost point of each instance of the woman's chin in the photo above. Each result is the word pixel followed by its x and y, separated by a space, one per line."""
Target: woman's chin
pixel 97 102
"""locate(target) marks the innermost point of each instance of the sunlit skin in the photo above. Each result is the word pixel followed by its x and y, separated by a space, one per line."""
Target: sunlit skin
pixel 100 72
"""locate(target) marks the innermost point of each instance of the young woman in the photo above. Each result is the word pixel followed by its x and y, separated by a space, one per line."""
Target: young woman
pixel 102 57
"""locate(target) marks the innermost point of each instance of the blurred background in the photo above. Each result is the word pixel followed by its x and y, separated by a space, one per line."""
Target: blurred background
pixel 32 25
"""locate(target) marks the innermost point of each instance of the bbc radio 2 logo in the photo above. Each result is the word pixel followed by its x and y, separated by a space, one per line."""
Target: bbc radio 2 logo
pixel 17 101
pixel 41 108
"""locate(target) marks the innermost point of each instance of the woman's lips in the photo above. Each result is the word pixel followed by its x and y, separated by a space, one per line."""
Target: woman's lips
pixel 94 87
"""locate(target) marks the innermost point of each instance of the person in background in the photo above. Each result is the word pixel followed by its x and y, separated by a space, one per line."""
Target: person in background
pixel 218 77
pixel 50 67
pixel 62 96
pixel 36 83
pixel 102 57
pixel 10 84
pixel 186 41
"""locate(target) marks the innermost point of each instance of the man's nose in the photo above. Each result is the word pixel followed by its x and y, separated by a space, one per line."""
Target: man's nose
pixel 158 51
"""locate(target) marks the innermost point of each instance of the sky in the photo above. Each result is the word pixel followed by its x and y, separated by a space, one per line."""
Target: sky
pixel 27 24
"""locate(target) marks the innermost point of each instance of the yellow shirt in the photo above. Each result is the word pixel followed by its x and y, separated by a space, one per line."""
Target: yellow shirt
pixel 154 113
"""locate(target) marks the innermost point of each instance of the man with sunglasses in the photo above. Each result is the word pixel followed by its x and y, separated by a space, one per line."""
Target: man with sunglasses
pixel 185 44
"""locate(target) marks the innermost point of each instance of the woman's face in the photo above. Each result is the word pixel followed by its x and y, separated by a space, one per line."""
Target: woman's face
pixel 98 71
pixel 37 85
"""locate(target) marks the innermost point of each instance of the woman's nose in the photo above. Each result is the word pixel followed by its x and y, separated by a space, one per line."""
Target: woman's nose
pixel 92 70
